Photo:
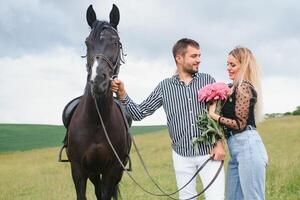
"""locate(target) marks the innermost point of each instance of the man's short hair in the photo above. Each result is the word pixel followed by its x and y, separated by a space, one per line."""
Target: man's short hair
pixel 181 46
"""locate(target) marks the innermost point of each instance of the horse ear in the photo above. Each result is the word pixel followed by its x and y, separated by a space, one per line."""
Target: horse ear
pixel 114 16
pixel 90 16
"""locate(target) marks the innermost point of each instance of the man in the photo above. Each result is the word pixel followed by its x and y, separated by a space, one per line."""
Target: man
pixel 178 96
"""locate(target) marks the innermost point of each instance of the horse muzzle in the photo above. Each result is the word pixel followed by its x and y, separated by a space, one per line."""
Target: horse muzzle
pixel 100 85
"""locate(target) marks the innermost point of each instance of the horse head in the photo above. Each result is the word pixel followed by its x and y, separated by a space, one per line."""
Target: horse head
pixel 103 51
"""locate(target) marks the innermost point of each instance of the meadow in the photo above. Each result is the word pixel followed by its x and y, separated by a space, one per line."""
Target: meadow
pixel 36 174
pixel 21 137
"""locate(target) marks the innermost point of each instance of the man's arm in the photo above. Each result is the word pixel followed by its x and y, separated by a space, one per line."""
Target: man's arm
pixel 138 111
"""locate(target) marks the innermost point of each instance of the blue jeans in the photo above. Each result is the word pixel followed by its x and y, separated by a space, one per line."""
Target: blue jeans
pixel 246 173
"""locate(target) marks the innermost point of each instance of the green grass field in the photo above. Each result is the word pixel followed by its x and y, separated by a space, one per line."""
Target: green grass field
pixel 20 137
pixel 36 174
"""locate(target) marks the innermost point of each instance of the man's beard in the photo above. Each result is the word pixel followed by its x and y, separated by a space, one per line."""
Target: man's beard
pixel 190 70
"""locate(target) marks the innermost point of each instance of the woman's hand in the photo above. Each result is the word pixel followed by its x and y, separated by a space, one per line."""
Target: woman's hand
pixel 212 108
pixel 212 111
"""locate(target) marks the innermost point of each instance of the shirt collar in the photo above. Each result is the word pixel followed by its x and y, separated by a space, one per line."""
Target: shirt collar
pixel 175 78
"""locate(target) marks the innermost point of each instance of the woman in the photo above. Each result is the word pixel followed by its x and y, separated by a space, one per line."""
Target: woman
pixel 247 166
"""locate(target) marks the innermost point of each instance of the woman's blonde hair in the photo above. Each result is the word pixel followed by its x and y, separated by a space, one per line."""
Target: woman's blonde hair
pixel 250 72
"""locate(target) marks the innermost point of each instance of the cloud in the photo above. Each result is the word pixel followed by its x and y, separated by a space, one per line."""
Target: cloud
pixel 42 41
pixel 280 94
pixel 32 26
pixel 280 58
pixel 34 88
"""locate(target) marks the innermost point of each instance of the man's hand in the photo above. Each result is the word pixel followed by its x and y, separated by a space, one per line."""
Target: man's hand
pixel 218 151
pixel 118 87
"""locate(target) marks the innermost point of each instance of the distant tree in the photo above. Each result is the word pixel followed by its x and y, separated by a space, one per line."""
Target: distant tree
pixel 297 111
pixel 287 113
pixel 273 115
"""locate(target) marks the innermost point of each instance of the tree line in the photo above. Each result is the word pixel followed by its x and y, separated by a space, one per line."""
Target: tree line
pixel 295 112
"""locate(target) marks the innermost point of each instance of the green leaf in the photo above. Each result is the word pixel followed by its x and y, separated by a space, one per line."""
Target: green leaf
pixel 211 130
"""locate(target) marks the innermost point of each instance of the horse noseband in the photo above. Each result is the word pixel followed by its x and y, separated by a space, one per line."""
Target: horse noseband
pixel 111 66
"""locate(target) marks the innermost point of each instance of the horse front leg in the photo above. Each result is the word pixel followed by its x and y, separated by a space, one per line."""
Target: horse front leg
pixel 110 181
pixel 79 179
pixel 96 180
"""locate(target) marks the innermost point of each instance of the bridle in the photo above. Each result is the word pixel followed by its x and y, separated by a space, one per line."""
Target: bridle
pixel 113 65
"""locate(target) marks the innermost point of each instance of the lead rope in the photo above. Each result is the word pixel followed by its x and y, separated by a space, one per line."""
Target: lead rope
pixel 132 178
pixel 151 178
pixel 196 173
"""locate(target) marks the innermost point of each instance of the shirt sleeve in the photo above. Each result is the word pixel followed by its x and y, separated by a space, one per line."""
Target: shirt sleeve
pixel 211 79
pixel 242 104
pixel 147 107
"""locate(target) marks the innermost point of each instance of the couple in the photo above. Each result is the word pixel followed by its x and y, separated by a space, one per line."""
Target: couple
pixel 178 96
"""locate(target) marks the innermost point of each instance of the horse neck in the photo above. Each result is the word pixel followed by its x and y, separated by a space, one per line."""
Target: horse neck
pixel 105 103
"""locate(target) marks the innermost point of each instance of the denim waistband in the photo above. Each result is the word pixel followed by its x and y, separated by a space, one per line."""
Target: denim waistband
pixel 230 133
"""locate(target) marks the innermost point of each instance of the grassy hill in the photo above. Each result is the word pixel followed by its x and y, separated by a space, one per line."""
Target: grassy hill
pixel 36 174
pixel 20 137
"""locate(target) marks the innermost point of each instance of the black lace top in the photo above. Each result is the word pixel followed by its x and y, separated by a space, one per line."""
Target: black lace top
pixel 238 110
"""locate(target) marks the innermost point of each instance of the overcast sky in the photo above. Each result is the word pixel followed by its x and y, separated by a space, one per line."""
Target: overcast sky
pixel 41 42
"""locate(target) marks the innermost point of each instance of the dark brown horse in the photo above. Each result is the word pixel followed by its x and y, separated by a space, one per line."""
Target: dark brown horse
pixel 88 150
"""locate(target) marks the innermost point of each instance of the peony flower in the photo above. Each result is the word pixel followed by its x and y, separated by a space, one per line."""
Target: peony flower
pixel 214 91
pixel 211 130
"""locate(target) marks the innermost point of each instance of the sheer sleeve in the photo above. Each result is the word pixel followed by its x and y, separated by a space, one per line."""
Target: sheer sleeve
pixel 242 104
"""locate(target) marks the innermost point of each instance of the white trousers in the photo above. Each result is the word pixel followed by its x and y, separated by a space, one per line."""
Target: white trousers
pixel 186 167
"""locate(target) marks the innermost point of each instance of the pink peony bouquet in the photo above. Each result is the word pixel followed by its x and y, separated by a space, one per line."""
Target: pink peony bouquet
pixel 215 91
pixel 211 130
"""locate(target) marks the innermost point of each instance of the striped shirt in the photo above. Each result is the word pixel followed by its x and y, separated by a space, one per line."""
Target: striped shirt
pixel 181 105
